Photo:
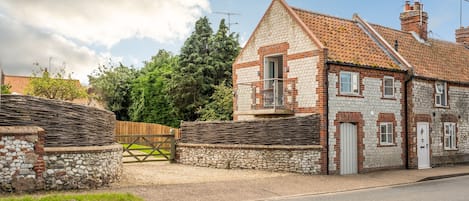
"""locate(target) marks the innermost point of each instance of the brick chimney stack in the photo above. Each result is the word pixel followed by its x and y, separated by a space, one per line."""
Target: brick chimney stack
pixel 414 19
pixel 462 35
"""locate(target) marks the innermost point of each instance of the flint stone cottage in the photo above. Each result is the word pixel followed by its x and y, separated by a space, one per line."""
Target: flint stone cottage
pixel 386 98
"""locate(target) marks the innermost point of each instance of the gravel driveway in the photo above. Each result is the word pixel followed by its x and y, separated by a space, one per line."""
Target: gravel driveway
pixel 162 173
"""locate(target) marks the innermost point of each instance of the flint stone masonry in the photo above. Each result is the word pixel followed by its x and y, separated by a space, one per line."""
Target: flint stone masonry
pixel 82 168
pixel 66 124
pixel 302 130
pixel 27 166
pixel 298 159
pixel 458 98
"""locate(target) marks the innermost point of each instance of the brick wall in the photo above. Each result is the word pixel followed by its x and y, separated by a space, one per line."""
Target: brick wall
pixel 365 111
pixel 301 130
pixel 423 110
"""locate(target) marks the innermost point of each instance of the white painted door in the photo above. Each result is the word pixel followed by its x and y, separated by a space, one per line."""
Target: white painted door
pixel 348 149
pixel 423 145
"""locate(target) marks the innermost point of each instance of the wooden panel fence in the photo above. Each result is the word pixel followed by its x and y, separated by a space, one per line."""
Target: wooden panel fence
pixel 127 128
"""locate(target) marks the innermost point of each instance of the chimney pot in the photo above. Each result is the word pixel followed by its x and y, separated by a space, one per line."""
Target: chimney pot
pixel 414 19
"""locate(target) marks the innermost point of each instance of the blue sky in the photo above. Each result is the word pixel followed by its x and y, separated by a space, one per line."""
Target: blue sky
pixel 81 35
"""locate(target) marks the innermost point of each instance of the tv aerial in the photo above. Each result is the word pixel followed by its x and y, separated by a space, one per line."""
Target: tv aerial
pixel 228 14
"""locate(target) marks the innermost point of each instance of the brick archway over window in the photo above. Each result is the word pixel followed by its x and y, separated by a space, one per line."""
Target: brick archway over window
pixel 357 119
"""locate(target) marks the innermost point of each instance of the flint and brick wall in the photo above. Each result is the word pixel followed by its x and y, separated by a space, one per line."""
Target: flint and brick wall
pixel 365 111
pixel 273 36
pixel 424 109
pixel 282 144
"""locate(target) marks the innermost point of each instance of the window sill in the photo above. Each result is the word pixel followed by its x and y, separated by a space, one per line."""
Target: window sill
pixel 351 95
pixel 455 149
pixel 387 145
pixel 388 98
pixel 442 106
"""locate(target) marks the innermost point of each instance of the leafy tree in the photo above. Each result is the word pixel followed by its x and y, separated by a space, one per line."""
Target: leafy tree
pixel 55 86
pixel 220 106
pixel 191 85
pixel 150 100
pixel 113 86
pixel 225 49
pixel 5 89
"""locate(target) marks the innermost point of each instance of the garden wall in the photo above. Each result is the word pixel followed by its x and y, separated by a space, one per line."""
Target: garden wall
pixel 281 144
pixel 63 153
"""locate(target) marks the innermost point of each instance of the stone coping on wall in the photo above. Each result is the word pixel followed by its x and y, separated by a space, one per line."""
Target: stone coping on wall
pixel 246 146
pixel 87 149
pixel 19 130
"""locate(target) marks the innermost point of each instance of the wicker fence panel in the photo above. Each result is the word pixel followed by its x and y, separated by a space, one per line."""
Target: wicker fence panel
pixel 66 124
pixel 279 131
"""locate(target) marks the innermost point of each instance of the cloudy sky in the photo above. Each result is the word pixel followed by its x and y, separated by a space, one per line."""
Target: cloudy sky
pixel 80 35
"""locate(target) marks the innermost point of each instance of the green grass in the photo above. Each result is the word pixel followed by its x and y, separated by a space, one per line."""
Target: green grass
pixel 84 197
pixel 147 149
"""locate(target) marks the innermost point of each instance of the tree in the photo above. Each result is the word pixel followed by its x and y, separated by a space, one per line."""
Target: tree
pixel 191 85
pixel 150 100
pixel 225 50
pixel 113 86
pixel 5 89
pixel 55 86
pixel 220 106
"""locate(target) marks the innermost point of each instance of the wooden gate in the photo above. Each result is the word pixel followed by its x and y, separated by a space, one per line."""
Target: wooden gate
pixel 146 148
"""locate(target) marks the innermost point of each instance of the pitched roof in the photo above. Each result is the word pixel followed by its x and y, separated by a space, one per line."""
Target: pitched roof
pixel 434 59
pixel 345 40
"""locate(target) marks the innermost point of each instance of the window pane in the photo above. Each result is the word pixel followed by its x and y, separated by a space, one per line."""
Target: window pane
pixel 345 79
pixel 355 84
pixel 388 82
pixel 388 91
pixel 443 99
pixel 447 142
pixel 438 99
pixel 383 138
pixel 390 138
pixel 383 128
pixel 389 128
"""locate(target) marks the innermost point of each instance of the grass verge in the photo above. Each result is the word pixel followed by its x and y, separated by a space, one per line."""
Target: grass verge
pixel 81 197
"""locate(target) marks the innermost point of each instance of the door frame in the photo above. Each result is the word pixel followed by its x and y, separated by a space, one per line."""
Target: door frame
pixel 419 157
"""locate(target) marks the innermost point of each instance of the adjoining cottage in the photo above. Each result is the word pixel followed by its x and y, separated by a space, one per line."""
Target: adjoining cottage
pixel 386 98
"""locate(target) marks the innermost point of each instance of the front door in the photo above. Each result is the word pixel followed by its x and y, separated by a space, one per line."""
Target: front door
pixel 348 149
pixel 423 145
pixel 273 82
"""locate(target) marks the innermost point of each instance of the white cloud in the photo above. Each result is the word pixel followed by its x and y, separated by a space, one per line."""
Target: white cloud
pixel 21 46
pixel 106 22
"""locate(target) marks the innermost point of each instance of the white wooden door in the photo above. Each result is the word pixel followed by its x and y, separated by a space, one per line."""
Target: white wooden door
pixel 348 149
pixel 423 145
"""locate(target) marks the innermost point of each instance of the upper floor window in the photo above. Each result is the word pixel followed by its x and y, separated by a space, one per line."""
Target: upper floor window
pixel 349 83
pixel 388 87
pixel 441 94
pixel 450 135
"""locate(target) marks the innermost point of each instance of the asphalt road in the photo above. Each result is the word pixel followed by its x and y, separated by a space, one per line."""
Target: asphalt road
pixel 451 189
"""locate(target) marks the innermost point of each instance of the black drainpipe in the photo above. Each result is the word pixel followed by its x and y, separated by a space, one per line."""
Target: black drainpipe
pixel 406 118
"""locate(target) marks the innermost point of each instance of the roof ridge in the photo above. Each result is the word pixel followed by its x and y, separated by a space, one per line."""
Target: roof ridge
pixel 321 14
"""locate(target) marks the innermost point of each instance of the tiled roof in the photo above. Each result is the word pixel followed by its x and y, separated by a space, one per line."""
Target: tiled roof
pixel 345 40
pixel 433 59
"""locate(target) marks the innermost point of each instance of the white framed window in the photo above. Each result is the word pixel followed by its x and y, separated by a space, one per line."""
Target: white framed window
pixel 388 87
pixel 450 135
pixel 441 95
pixel 386 133
pixel 349 83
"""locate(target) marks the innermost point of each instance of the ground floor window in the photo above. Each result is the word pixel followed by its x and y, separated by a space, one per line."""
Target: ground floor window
pixel 450 136
pixel 386 133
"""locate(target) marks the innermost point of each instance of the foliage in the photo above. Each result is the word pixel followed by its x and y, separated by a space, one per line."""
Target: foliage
pixel 225 50
pixel 113 86
pixel 205 62
pixel 220 106
pixel 5 89
pixel 55 86
pixel 82 197
pixel 150 100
